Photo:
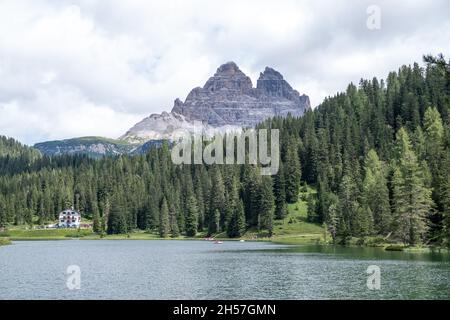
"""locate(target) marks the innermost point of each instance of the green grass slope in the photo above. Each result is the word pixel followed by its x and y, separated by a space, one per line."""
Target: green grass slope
pixel 295 229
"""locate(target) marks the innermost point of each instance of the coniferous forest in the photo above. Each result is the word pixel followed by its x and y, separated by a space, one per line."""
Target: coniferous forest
pixel 378 155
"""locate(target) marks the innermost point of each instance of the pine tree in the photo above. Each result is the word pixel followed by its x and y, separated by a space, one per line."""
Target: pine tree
pixel 333 217
pixel 350 208
pixel 411 198
pixel 116 221
pixel 432 166
pixel 293 173
pixel 192 217
pixel 266 205
pixel 376 194
pixel 96 227
pixel 445 196
pixel 311 207
pixel 174 230
pixel 279 191
pixel 214 223
pixel 252 189
pixel 236 227
pixel 164 223
pixel 217 201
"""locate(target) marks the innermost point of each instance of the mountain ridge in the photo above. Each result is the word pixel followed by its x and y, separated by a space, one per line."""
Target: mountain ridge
pixel 227 102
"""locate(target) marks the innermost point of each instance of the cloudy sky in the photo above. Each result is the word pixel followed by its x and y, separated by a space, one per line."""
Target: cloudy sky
pixel 77 68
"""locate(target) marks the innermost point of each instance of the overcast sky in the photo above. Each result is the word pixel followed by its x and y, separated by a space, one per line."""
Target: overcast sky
pixel 77 68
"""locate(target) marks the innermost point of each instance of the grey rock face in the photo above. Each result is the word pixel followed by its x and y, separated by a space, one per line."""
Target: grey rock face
pixel 228 98
pixel 93 146
pixel 226 103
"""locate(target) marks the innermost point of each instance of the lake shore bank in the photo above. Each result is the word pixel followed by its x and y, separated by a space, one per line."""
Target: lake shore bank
pixel 4 241
pixel 291 239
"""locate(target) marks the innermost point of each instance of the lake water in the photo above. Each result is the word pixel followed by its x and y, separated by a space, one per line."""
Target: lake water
pixel 203 270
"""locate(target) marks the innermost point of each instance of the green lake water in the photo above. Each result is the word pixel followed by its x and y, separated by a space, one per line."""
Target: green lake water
pixel 118 269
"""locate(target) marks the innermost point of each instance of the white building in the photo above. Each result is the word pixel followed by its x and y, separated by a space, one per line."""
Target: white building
pixel 69 219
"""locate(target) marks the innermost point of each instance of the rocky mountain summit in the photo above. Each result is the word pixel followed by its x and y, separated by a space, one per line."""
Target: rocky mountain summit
pixel 228 98
pixel 227 101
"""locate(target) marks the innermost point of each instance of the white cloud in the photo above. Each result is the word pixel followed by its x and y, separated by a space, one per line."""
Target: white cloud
pixel 96 67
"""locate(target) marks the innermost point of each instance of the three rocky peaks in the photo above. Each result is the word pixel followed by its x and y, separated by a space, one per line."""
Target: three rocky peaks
pixel 228 100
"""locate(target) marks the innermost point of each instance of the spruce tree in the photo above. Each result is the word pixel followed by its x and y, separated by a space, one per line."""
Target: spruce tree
pixel 192 217
pixel 445 196
pixel 164 223
pixel 236 227
pixel 279 191
pixel 432 165
pixel 293 172
pixel 266 205
pixel 174 230
pixel 411 198
pixel 214 223
pixel 217 200
pixel 332 217
pixel 96 226
pixel 349 206
pixel 116 220
pixel 375 196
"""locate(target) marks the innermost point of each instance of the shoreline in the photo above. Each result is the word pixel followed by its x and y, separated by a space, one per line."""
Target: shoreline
pixel 5 241
pixel 291 241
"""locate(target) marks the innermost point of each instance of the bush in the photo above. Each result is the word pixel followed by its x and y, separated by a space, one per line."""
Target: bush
pixel 395 247
pixel 4 241
pixel 375 241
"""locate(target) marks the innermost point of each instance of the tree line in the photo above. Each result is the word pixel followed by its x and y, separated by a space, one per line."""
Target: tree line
pixel 378 155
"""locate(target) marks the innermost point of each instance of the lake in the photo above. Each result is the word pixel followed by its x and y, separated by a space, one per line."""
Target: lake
pixel 121 269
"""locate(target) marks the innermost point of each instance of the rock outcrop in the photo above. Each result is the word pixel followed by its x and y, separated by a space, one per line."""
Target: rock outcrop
pixel 227 101
pixel 92 146
pixel 228 98
pixel 169 126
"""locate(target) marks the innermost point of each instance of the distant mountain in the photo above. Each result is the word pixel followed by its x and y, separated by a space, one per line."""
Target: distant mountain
pixel 92 146
pixel 164 126
pixel 227 102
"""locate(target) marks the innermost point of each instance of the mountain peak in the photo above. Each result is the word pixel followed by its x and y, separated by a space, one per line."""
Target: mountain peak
pixel 228 69
pixel 270 74
pixel 229 76
pixel 228 98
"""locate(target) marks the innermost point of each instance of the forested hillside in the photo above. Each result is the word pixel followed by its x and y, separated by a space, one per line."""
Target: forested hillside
pixel 378 155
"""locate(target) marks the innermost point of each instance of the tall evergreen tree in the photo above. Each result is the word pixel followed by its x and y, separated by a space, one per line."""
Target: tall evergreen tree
pixel 192 217
pixel 164 223
pixel 280 193
pixel 236 227
pixel 96 225
pixel 266 205
pixel 376 194
pixel 411 198
pixel 174 229
pixel 293 172
pixel 214 223
pixel 116 220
